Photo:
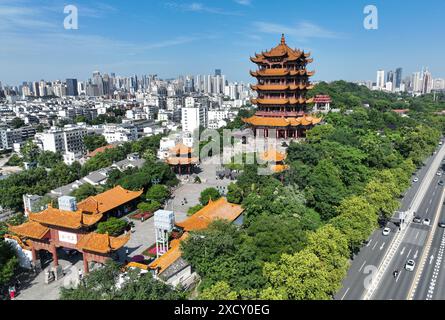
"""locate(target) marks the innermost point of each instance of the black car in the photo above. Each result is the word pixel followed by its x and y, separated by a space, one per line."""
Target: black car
pixel 417 219
pixel 442 224
pixel 441 183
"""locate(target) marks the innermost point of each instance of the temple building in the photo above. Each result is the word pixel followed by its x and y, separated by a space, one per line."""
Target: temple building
pixel 171 267
pixel 181 159
pixel 55 228
pixel 283 83
pixel 275 159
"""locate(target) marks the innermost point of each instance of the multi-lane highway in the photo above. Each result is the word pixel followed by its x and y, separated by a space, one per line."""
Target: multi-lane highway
pixel 411 246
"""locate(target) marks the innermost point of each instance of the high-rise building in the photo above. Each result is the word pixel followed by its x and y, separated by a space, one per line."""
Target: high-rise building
pixel 427 84
pixel 193 117
pixel 417 81
pixel 217 72
pixel 71 87
pixel 380 79
pixel 398 78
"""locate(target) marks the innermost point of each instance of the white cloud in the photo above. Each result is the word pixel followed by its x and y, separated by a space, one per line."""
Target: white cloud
pixel 199 7
pixel 302 31
pixel 244 2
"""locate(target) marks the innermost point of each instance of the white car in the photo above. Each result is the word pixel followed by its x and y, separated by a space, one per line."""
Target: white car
pixel 426 221
pixel 415 179
pixel 410 264
pixel 438 173
pixel 386 231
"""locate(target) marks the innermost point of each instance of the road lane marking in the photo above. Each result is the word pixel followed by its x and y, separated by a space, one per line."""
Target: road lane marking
pixel 369 242
pixel 398 276
pixel 417 234
pixel 382 246
pixel 375 245
pixel 345 293
pixel 427 210
pixel 415 255
pixel 431 259
pixel 359 270
pixel 403 250
pixel 408 253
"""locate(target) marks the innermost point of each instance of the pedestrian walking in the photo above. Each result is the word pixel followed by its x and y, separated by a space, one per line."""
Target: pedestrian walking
pixel 11 292
pixel 80 274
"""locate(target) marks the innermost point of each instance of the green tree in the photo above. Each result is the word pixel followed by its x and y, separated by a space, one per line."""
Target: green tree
pixel 113 226
pixel 301 276
pixel 8 263
pixel 94 141
pixel 84 191
pixel 158 193
pixel 151 206
pixel 17 123
pixel 209 194
pixel 101 284
pixel 219 291
pixel 356 220
pixel 49 159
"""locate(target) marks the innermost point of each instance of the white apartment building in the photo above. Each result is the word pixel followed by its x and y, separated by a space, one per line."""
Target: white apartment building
pixel 380 79
pixel 68 139
pixel 193 117
pixel 120 133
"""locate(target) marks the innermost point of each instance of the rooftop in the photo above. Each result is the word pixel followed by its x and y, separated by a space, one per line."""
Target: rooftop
pixel 108 200
pixel 214 210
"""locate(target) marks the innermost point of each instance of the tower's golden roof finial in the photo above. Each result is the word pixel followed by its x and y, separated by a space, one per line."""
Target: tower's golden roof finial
pixel 283 40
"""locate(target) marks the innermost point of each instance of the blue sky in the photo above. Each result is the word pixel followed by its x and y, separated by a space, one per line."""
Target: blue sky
pixel 195 37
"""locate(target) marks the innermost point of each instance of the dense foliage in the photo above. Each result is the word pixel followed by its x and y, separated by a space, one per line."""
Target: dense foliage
pixel 102 284
pixel 302 226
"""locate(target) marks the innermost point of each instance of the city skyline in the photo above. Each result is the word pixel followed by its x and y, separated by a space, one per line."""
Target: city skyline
pixel 121 39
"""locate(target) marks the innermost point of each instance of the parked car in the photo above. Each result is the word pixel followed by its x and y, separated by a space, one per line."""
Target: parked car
pixel 386 231
pixel 426 221
pixel 417 219
pixel 439 173
pixel 410 264
pixel 415 179
pixel 441 224
pixel 440 183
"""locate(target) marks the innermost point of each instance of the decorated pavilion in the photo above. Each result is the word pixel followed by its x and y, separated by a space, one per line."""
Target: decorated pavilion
pixel 275 159
pixel 283 83
pixel 55 228
pixel 181 159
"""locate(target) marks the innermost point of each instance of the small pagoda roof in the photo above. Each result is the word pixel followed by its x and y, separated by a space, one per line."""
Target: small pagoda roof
pixel 101 243
pixel 30 229
pixel 282 50
pixel 273 155
pixel 62 218
pixel 181 149
pixel 167 259
pixel 181 160
pixel 277 168
pixel 100 149
pixel 214 210
pixel 108 200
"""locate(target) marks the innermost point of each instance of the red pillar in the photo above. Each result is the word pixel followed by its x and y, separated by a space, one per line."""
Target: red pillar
pixel 34 255
pixel 55 258
pixel 85 264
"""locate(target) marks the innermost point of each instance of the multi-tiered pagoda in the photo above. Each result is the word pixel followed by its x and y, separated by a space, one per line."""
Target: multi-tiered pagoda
pixel 283 82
